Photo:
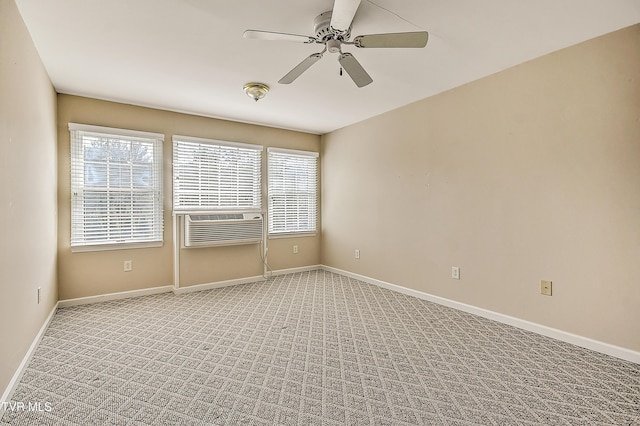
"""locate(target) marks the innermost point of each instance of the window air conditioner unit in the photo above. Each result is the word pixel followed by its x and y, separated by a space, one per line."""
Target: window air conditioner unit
pixel 222 229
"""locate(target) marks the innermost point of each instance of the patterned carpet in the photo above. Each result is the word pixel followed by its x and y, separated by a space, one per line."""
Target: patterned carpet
pixel 311 348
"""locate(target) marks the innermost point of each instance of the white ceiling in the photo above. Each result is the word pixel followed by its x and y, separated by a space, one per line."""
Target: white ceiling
pixel 190 56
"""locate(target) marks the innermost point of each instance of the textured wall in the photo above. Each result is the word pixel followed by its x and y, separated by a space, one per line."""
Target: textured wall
pixel 528 174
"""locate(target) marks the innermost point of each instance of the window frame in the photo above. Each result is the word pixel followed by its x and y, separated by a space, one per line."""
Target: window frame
pixel 299 232
pixel 80 222
pixel 234 148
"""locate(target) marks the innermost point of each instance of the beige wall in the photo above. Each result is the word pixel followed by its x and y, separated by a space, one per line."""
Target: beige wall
pixel 27 193
pixel 532 173
pixel 94 273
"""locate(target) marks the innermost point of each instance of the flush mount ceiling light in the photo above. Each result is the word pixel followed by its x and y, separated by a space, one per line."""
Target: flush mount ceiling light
pixel 256 91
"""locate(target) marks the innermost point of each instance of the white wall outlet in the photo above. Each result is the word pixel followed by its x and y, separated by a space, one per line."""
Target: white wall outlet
pixel 357 253
pixel 128 266
pixel 295 249
pixel 455 272
pixel 39 291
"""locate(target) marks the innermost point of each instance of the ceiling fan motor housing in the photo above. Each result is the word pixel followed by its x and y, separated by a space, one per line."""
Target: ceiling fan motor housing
pixel 323 31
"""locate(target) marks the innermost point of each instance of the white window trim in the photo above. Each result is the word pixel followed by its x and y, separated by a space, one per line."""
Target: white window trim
pixel 293 234
pixel 116 131
pixel 300 234
pixel 194 139
pixel 115 246
pixel 199 209
pixel 133 134
pixel 293 152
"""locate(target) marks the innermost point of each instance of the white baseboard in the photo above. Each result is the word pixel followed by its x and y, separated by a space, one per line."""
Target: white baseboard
pixel 8 392
pixel 238 281
pixel 295 270
pixel 217 284
pixel 585 342
pixel 114 296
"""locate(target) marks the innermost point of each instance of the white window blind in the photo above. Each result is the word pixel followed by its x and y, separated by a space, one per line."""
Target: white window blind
pixel 215 175
pixel 116 188
pixel 292 177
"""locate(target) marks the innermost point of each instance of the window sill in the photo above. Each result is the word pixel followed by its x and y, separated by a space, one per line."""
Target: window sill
pixel 115 246
pixel 291 235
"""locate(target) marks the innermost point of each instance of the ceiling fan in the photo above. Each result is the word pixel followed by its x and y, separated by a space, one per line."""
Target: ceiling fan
pixel 333 29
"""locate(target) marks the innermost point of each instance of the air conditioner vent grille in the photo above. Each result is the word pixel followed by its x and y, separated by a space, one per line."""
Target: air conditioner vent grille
pixel 223 216
pixel 222 229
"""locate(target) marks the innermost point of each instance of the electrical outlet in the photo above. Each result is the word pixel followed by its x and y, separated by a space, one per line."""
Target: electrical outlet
pixel 545 287
pixel 357 253
pixel 128 266
pixel 455 272
pixel 295 249
pixel 39 291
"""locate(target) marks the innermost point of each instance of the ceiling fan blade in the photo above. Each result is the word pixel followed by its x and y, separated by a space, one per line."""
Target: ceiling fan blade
pixel 414 39
pixel 300 68
pixel 268 35
pixel 343 13
pixel 354 69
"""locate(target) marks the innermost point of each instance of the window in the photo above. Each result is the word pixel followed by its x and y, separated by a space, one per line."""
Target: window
pixel 215 175
pixel 292 185
pixel 116 188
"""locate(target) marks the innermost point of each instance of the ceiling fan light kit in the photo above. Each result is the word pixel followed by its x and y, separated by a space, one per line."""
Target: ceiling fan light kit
pixel 256 91
pixel 333 29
